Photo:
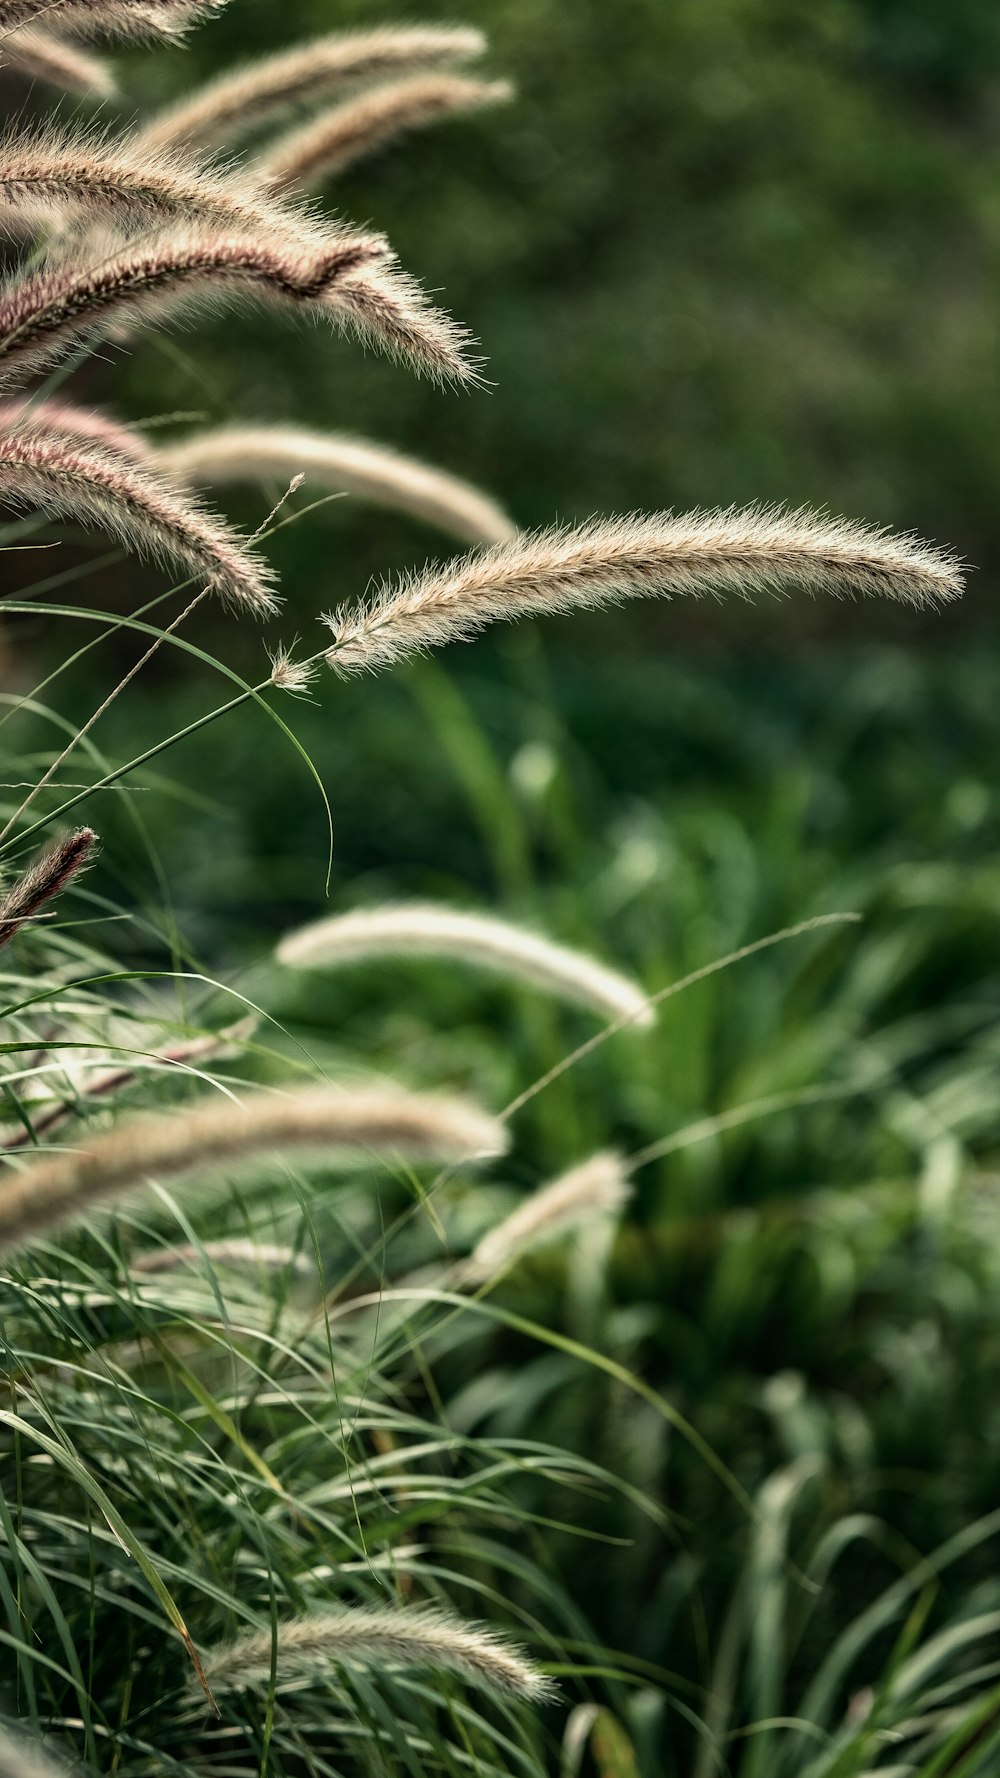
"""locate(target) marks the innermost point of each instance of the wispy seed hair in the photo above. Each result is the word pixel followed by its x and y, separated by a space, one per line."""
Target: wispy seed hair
pixel 89 427
pixel 137 506
pixel 342 464
pixel 751 550
pixel 349 280
pixel 41 55
pixel 44 880
pixel 48 173
pixel 241 1255
pixel 45 313
pixel 385 1122
pixel 418 1637
pixel 599 1187
pixel 243 103
pixel 418 929
pixel 349 132
pixel 140 19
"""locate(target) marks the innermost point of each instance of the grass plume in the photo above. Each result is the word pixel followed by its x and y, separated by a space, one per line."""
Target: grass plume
pixel 137 19
pixel 751 550
pixel 351 131
pixel 137 506
pixel 243 103
pixel 418 1637
pixel 387 1122
pixel 80 425
pixel 347 279
pixel 41 55
pixel 341 464
pixel 239 1254
pixel 50 874
pixel 417 929
pixel 48 174
pixel 597 1187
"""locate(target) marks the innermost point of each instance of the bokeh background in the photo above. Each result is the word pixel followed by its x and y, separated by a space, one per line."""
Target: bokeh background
pixel 716 251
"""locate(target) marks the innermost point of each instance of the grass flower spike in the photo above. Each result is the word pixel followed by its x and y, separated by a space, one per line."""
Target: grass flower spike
pixel 77 425
pixel 45 879
pixel 420 930
pixel 149 19
pixel 243 103
pixel 385 1122
pixel 241 1255
pixel 418 1637
pixel 598 1187
pixel 350 132
pixel 49 175
pixel 348 280
pixel 343 465
pixel 41 55
pixel 101 487
pixel 755 550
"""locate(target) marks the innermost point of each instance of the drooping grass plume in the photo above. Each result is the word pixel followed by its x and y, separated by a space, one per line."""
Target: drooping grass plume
pixel 49 176
pixel 418 929
pixel 241 1255
pixel 598 1187
pixel 137 506
pixel 752 550
pixel 89 427
pixel 41 55
pixel 384 1122
pixel 140 19
pixel 361 126
pixel 44 880
pixel 343 465
pixel 419 1637
pixel 349 280
pixel 240 104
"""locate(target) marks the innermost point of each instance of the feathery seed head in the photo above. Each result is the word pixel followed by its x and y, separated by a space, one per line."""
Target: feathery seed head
pixel 54 176
pixel 83 426
pixel 44 314
pixel 343 465
pixel 290 675
pixel 753 550
pixel 139 19
pixel 347 133
pixel 41 55
pixel 417 1636
pixel 418 929
pixel 598 1187
pixel 45 879
pixel 243 103
pixel 266 1255
pixel 381 1122
pixel 147 514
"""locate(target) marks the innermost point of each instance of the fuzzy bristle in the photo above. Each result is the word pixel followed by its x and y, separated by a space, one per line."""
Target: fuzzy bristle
pixel 241 104
pixel 752 550
pixel 348 133
pixel 417 1637
pixel 96 486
